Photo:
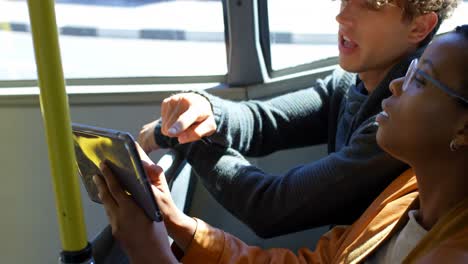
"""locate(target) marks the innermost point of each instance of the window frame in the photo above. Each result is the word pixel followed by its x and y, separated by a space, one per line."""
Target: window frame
pixel 266 48
pixel 246 30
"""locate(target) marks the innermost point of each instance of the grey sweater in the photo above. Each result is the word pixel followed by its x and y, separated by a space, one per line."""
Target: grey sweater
pixel 333 190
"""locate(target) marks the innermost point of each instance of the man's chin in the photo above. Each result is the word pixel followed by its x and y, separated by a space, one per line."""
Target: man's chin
pixel 348 65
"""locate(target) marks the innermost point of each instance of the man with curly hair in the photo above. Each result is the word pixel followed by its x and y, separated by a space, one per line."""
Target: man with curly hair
pixel 421 217
pixel 377 41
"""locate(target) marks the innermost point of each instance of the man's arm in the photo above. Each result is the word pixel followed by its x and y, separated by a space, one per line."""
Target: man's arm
pixel 333 190
pixel 257 128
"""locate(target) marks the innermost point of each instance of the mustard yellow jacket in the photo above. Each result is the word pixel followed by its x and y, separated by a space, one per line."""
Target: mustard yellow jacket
pixel 446 242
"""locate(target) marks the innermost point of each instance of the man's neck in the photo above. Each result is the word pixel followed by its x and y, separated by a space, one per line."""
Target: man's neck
pixel 442 185
pixel 372 79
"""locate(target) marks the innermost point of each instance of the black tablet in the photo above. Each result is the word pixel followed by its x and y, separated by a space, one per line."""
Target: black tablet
pixel 94 145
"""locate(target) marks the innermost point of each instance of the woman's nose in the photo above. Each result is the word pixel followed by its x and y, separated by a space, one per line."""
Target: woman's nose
pixel 396 86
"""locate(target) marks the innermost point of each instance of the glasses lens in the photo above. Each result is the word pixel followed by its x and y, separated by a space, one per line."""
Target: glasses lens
pixel 409 74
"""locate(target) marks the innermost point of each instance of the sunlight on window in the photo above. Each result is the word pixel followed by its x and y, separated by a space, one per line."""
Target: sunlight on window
pixel 302 31
pixel 120 38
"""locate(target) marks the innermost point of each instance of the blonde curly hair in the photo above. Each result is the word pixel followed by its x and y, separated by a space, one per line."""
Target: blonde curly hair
pixel 412 8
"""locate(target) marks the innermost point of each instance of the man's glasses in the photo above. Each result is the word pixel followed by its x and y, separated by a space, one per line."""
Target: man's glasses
pixel 413 69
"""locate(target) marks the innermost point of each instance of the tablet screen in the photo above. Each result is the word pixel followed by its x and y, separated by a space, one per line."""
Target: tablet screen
pixel 95 145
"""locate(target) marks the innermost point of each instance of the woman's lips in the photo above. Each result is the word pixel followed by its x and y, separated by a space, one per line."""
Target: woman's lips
pixel 382 117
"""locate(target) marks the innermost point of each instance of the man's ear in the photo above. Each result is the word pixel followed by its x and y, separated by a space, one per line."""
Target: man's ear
pixel 421 26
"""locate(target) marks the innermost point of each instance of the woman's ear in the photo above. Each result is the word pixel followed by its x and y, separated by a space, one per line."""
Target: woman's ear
pixel 461 137
pixel 422 26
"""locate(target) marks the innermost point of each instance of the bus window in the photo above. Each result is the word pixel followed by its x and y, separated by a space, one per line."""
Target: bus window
pixel 120 38
pixel 306 31
pixel 302 32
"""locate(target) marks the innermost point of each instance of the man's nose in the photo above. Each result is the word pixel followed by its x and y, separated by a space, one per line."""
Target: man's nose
pixel 346 15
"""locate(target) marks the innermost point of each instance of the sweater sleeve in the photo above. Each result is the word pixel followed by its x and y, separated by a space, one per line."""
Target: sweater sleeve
pixel 257 128
pixel 333 190
pixel 211 245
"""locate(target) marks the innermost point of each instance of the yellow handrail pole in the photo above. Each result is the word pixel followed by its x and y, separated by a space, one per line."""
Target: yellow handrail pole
pixel 56 116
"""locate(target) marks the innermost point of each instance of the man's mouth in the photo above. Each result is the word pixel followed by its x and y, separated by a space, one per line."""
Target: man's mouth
pixel 347 42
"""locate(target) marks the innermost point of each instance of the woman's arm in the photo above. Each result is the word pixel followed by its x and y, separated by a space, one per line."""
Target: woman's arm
pixel 143 240
pixel 212 245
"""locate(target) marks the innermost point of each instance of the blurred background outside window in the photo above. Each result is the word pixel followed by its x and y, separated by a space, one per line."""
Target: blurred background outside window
pixel 146 38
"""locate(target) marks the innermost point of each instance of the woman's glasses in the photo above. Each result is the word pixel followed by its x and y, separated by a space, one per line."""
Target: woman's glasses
pixel 413 69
